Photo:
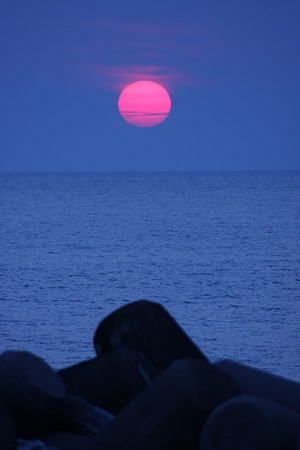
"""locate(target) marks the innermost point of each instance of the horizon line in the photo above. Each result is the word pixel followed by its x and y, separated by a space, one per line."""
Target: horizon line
pixel 4 172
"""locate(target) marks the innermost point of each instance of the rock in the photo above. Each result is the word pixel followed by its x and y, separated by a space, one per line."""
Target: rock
pixel 170 412
pixel 273 387
pixel 81 417
pixel 111 381
pixel 35 444
pixel 8 433
pixel 148 327
pixel 250 423
pixel 64 440
pixel 31 391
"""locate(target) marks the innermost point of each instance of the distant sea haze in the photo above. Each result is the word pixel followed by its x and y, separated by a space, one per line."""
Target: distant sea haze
pixel 220 250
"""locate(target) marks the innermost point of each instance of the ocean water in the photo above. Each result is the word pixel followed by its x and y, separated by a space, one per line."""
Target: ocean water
pixel 221 251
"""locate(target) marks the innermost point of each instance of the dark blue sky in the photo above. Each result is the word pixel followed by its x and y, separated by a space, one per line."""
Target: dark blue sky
pixel 231 67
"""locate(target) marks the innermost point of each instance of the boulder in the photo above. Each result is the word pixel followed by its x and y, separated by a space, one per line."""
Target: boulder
pixel 65 440
pixel 31 391
pixel 263 384
pixel 8 433
pixel 146 326
pixel 250 423
pixel 111 381
pixel 171 411
pixel 81 417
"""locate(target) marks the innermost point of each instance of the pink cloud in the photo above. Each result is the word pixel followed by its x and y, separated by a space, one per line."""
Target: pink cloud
pixel 110 60
pixel 117 77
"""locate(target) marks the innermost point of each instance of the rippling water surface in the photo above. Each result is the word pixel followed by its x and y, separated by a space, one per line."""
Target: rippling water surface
pixel 219 250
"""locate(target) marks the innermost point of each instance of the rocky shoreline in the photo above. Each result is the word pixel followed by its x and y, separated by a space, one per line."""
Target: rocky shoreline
pixel 148 387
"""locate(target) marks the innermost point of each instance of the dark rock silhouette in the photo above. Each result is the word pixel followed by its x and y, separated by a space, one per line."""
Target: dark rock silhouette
pixel 31 391
pixel 162 389
pixel 250 423
pixel 111 381
pixel 171 411
pixel 8 432
pixel 84 418
pixel 65 440
pixel 263 384
pixel 148 327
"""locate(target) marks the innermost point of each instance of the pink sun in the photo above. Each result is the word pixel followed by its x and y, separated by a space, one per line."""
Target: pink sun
pixel 144 104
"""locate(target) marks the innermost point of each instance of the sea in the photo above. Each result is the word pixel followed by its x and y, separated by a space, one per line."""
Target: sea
pixel 219 250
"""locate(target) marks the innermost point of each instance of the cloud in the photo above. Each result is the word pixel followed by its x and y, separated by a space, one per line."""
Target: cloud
pixel 149 40
pixel 126 51
pixel 117 77
pixel 131 28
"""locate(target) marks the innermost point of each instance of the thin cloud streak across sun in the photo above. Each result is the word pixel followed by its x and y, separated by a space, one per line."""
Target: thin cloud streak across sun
pixel 142 114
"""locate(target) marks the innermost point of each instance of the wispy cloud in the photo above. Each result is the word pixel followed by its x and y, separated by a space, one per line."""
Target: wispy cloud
pixel 131 28
pixel 125 52
pixel 164 41
pixel 117 77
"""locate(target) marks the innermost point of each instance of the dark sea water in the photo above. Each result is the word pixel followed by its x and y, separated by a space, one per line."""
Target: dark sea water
pixel 221 251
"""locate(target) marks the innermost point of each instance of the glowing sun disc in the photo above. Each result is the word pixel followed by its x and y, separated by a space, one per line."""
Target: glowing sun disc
pixel 144 104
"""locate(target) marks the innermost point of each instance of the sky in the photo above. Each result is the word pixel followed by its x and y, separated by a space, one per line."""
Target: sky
pixel 231 69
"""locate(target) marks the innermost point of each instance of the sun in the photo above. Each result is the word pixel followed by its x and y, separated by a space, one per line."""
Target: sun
pixel 144 104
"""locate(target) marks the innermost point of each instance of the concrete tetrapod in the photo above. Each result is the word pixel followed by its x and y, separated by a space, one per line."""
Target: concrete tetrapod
pixel 273 387
pixel 70 441
pixel 31 392
pixel 170 412
pixel 82 417
pixel 8 433
pixel 148 327
pixel 250 423
pixel 111 381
